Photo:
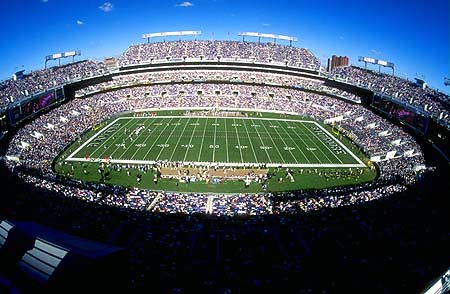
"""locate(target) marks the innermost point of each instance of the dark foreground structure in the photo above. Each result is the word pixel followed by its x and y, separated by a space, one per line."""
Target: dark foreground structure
pixel 398 244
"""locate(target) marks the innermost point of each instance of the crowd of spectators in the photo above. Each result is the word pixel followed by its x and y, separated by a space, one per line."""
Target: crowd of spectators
pixel 46 136
pixel 431 101
pixel 218 76
pixel 42 80
pixel 225 50
pixel 180 253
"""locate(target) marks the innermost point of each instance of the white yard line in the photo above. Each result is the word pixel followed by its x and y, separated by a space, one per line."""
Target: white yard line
pixel 262 142
pixel 117 139
pixel 307 146
pixel 239 141
pixel 251 143
pixel 224 117
pixel 317 146
pixel 273 142
pixel 292 154
pixel 114 140
pixel 146 139
pixel 342 145
pixel 156 140
pixel 226 141
pixel 128 148
pixel 168 138
pixel 179 139
pixel 300 149
pixel 215 132
pixel 203 138
pixel 323 143
pixel 190 140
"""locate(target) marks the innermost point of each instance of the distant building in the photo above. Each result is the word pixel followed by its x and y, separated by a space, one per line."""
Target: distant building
pixel 337 61
pixel 110 62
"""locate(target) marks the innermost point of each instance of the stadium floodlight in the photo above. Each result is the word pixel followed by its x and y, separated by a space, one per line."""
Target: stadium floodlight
pixel 171 34
pixel 268 36
pixel 58 56
pixel 70 54
pixel 380 63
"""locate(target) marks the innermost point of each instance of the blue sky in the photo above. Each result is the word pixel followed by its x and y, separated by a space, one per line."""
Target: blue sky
pixel 412 34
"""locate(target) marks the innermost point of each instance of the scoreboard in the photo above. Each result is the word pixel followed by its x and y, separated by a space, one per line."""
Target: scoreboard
pixel 402 112
pixel 35 104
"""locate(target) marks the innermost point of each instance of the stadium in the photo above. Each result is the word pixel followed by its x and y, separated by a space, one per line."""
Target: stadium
pixel 198 116
pixel 200 142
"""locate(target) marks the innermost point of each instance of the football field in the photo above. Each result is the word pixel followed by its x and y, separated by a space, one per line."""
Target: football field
pixel 211 141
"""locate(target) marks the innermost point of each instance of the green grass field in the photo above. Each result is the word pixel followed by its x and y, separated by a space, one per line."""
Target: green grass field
pixel 270 139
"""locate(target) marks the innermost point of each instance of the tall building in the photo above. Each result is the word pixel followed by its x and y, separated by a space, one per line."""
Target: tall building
pixel 337 61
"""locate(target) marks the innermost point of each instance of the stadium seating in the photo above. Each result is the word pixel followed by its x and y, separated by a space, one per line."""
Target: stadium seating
pixel 41 151
pixel 36 144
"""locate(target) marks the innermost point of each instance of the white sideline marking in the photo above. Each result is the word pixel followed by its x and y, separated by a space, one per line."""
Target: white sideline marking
pixel 92 138
pixel 341 144
pixel 220 164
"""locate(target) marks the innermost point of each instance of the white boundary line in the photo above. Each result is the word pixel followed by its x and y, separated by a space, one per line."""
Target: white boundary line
pixel 226 164
pixel 220 164
pixel 92 138
pixel 321 142
pixel 324 144
pixel 341 144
